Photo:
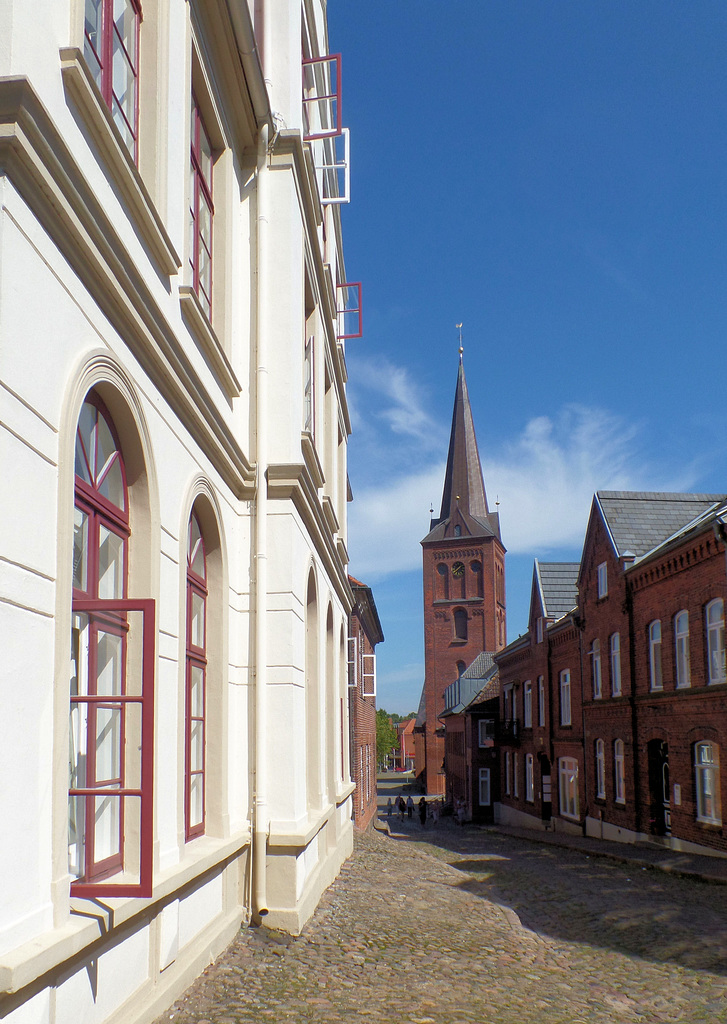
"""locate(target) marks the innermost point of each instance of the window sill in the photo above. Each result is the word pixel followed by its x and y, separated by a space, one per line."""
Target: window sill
pixel 93 918
pixel 710 824
pixel 84 92
pixel 310 457
pixel 207 341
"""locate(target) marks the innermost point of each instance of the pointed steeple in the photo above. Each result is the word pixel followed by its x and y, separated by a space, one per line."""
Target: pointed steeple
pixel 464 486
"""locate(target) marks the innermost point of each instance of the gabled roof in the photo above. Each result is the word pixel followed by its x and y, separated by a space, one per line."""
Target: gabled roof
pixel 556 585
pixel 366 610
pixel 641 520
pixel 480 681
pixel 464 487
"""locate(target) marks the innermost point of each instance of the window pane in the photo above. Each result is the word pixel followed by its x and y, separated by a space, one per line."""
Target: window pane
pixel 107 827
pixel 196 747
pixel 80 549
pixel 196 792
pixel 196 638
pixel 125 24
pixel 110 565
pixel 196 691
pixel 107 471
pixel 205 156
pixel 93 45
pixel 195 554
pixel 108 744
pixel 109 667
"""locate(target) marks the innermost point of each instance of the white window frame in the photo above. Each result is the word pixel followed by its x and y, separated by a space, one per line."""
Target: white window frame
pixel 485 788
pixel 568 787
pixel 529 779
pixel 484 726
pixel 565 702
pixel 600 769
pixel 682 666
pixel 541 701
pixel 368 675
pixel 353 662
pixel 602 580
pixel 714 618
pixel 619 772
pixel 656 678
pixel 527 704
pixel 596 674
pixel 706 782
pixel 615 646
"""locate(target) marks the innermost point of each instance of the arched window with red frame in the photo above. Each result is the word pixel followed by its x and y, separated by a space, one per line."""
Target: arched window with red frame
pixel 196 682
pixel 111 686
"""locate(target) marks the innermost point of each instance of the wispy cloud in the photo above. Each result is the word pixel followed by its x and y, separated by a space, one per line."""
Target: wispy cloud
pixel 544 480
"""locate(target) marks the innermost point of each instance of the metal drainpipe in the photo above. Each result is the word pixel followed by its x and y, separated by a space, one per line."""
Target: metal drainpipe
pixel 261 823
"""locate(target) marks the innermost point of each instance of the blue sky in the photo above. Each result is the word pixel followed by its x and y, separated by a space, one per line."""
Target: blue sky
pixel 553 174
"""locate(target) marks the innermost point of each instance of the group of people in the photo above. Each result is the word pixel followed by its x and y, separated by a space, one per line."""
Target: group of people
pixel 406 807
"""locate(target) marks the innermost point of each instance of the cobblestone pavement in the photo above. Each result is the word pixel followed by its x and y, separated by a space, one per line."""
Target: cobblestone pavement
pixel 461 925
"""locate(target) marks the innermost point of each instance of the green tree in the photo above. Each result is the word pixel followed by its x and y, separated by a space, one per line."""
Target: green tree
pixel 386 736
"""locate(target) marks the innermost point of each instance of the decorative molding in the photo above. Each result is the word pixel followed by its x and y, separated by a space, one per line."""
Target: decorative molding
pixel 330 513
pixel 207 341
pixel 313 463
pixel 84 92
pixel 36 159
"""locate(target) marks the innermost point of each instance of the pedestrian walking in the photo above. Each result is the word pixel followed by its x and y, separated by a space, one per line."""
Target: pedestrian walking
pixel 435 813
pixel 402 807
pixel 423 812
pixel 461 809
pixel 389 809
pixel 409 807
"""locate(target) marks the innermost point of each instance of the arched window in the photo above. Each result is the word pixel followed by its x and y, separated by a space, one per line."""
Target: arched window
pixel 681 652
pixel 196 682
pixel 715 641
pixel 460 624
pixel 442 590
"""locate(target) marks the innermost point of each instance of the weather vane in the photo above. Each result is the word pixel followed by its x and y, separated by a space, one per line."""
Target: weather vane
pixel 459 328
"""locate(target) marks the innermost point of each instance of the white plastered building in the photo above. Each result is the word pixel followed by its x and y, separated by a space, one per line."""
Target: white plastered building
pixel 173 432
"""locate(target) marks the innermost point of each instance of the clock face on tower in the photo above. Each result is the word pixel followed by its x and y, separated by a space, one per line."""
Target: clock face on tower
pixel 458 569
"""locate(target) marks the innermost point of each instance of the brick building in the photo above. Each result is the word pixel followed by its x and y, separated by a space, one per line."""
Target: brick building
pixel 632 721
pixel 405 755
pixel 364 633
pixel 464 585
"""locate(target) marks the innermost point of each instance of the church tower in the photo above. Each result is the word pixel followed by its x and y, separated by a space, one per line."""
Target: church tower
pixel 464 581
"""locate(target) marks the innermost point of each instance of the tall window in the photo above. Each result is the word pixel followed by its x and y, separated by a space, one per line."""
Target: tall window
pixel 600 769
pixel 460 624
pixel 196 671
pixel 111 49
pixel 529 783
pixel 565 714
pixel 596 669
pixel 541 701
pixel 715 641
pixel 681 652
pixel 485 792
pixel 568 786
pixel 618 772
pixel 615 644
pixel 528 704
pixel 602 580
pixel 507 773
pixel 515 775
pixel 201 211
pixel 655 676
pixel 706 778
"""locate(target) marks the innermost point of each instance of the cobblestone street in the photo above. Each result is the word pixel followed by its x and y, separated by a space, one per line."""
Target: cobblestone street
pixel 459 925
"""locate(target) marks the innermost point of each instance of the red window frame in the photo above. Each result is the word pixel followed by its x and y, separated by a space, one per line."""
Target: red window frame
pixel 196 657
pixel 201 199
pixel 111 616
pixel 329 96
pixel 346 310
pixel 103 72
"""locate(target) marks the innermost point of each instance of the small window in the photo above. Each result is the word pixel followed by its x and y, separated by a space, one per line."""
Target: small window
pixel 458 530
pixel 568 787
pixel 111 49
pixel 602 580
pixel 486 732
pixel 460 624
pixel 528 704
pixel 529 782
pixel 706 778
pixel 600 769
pixel 715 641
pixel 615 645
pixel 565 712
pixel 541 701
pixel 655 655
pixel 681 651
pixel 596 669
pixel 485 790
pixel 618 772
pixel 369 675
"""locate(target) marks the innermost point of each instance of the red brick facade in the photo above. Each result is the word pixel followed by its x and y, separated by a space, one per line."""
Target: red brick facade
pixel 364 633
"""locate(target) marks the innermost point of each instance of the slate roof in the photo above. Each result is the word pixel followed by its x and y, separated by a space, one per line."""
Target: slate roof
pixel 641 520
pixel 464 486
pixel 480 681
pixel 557 584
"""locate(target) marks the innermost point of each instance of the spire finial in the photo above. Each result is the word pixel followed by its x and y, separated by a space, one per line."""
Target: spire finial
pixel 461 350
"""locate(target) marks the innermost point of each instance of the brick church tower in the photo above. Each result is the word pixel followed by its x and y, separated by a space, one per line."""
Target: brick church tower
pixel 464 582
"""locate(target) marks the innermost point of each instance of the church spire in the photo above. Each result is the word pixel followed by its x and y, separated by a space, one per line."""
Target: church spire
pixel 463 482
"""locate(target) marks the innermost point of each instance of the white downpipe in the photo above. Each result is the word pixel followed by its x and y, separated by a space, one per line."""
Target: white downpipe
pixel 261 824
